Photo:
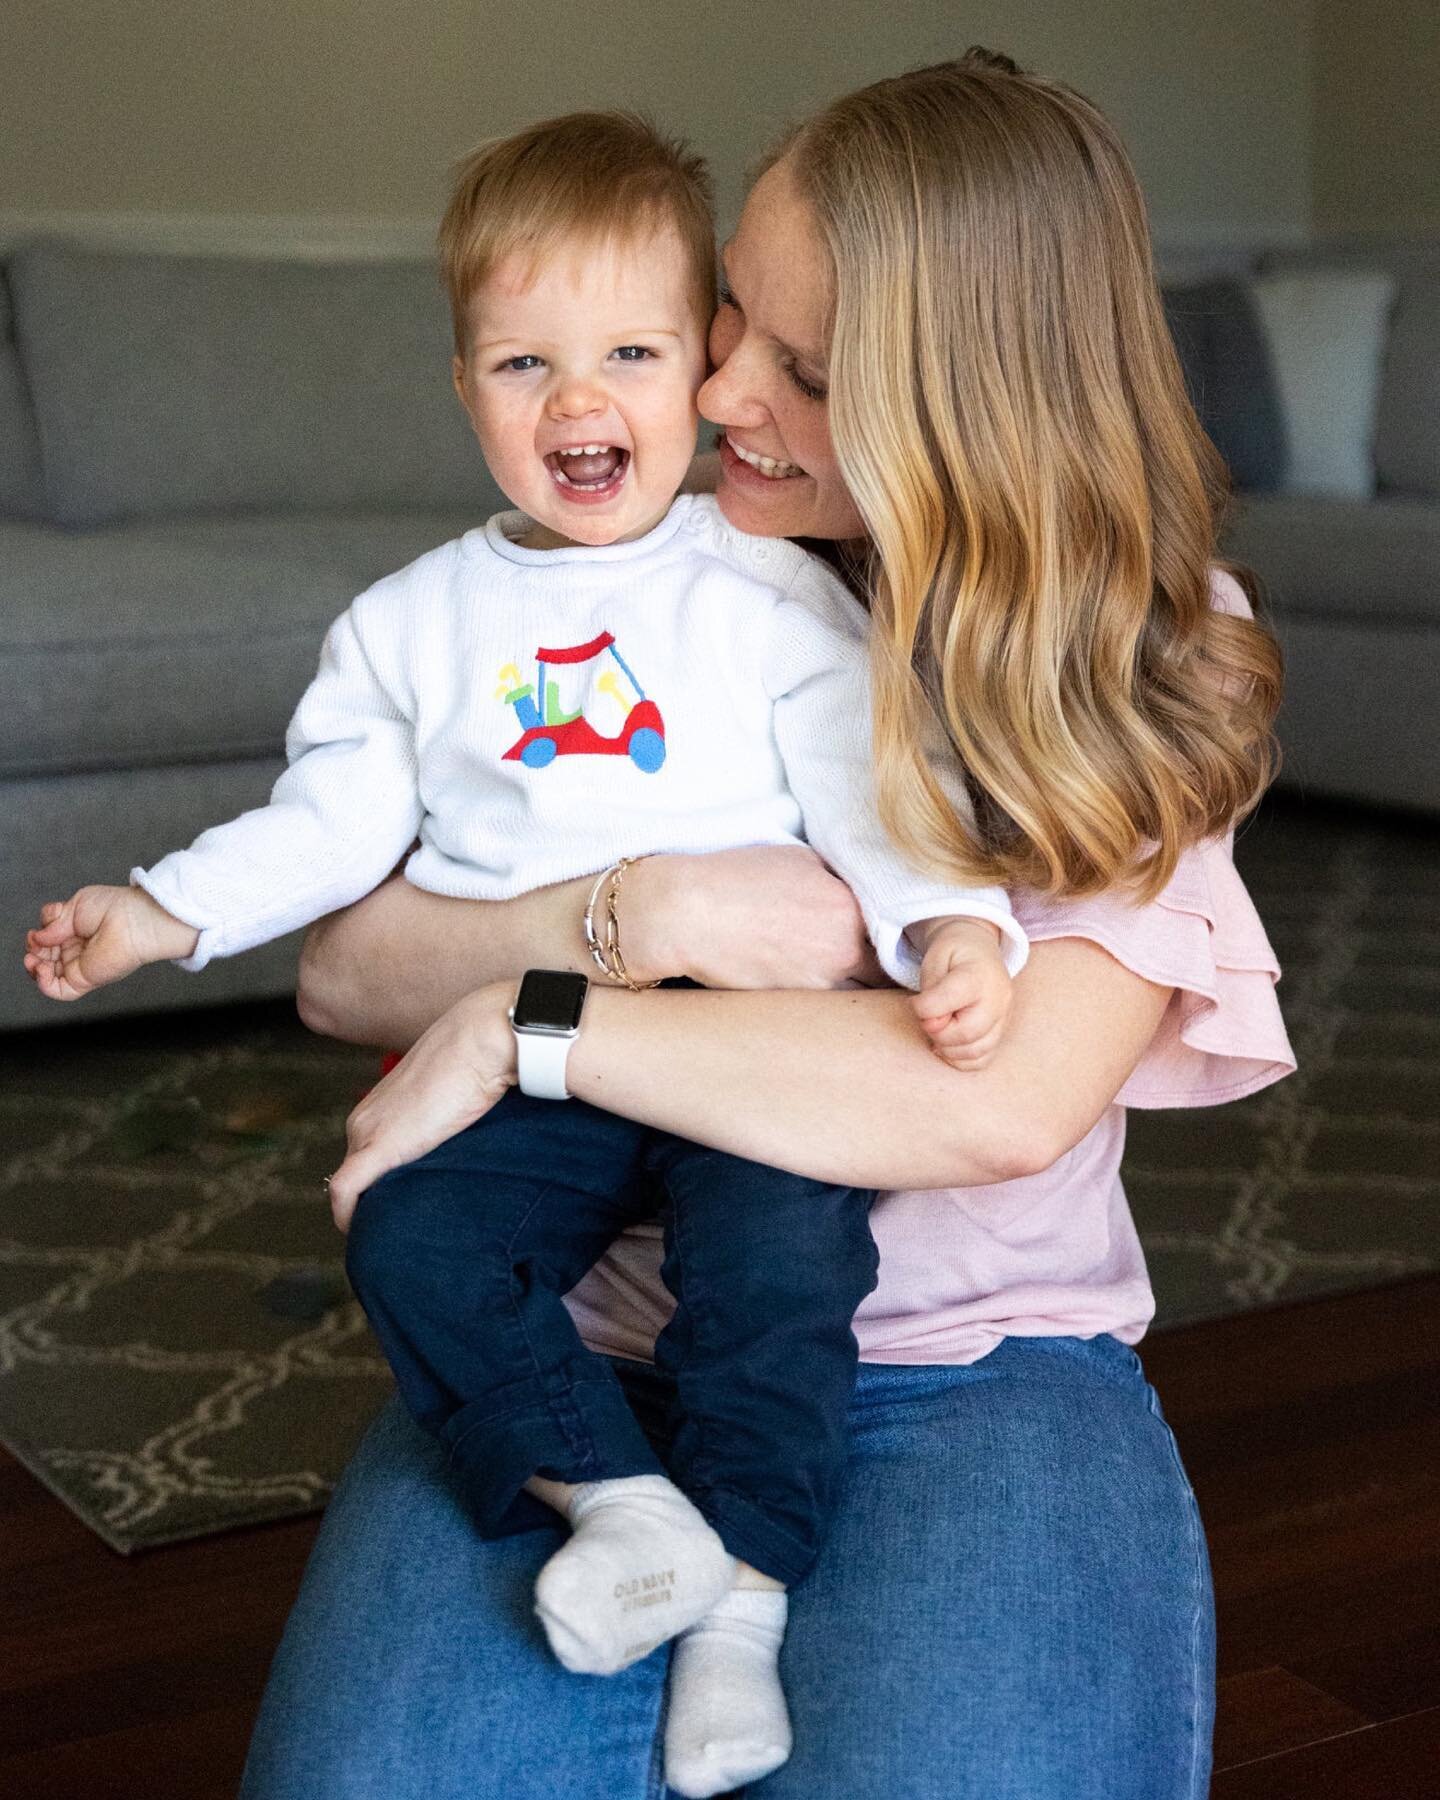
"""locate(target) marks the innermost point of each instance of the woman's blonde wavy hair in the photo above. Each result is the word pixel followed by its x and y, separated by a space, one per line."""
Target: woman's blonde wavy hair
pixel 1009 415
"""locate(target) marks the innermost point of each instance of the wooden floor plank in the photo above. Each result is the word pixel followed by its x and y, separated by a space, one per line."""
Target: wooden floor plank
pixel 1267 1711
pixel 1309 1433
pixel 1385 1677
pixel 1396 1761
pixel 1312 1436
pixel 198 1757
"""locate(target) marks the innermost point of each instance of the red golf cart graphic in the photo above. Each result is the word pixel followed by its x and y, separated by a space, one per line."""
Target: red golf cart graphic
pixel 547 731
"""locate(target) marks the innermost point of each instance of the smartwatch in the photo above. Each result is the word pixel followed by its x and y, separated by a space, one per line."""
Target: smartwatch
pixel 546 1021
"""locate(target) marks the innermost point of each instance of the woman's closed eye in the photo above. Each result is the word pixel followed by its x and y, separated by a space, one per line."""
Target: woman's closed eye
pixel 810 389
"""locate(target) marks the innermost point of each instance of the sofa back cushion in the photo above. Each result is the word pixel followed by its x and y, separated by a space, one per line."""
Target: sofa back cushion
pixel 167 385
pixel 1407 432
pixel 1230 379
pixel 20 492
pixel 1326 331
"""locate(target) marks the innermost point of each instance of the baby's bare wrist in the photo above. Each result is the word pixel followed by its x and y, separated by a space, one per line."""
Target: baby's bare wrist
pixel 967 932
pixel 159 935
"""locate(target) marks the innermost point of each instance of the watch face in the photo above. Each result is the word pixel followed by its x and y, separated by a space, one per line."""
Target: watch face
pixel 550 1000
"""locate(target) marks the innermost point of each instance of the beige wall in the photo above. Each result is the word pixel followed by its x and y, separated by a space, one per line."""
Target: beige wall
pixel 353 108
pixel 1376 153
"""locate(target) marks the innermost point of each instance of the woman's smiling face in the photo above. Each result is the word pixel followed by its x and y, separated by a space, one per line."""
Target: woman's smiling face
pixel 769 344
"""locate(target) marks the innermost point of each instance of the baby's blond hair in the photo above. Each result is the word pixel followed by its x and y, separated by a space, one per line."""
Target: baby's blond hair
pixel 596 177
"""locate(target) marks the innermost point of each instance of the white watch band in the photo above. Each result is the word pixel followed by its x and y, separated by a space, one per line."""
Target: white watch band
pixel 540 1059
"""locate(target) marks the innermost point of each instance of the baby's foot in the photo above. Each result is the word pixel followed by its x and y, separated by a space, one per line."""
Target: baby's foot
pixel 727 1722
pixel 642 1565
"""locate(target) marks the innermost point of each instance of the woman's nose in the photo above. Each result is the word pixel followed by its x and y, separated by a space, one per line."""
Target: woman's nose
pixel 728 398
pixel 732 395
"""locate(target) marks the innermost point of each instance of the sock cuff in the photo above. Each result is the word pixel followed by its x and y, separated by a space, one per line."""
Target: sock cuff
pixel 750 1606
pixel 589 1494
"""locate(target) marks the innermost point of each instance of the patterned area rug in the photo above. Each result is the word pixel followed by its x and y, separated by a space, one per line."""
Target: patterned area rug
pixel 178 1350
pixel 1330 1179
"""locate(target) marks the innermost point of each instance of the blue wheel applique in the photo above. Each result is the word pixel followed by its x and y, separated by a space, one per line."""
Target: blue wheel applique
pixel 647 749
pixel 538 753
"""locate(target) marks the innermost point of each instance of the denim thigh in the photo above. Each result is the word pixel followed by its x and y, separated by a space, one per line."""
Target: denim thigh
pixel 1013 1604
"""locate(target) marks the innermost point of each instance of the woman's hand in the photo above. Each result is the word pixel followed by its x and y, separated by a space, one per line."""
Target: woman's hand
pixel 768 917
pixel 452 1076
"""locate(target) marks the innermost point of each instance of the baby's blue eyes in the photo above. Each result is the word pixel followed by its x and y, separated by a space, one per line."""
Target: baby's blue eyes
pixel 628 353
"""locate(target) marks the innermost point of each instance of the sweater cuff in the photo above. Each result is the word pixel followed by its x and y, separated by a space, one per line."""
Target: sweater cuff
pixel 162 893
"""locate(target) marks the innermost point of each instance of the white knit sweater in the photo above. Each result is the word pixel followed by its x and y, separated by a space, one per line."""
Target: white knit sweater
pixel 437 714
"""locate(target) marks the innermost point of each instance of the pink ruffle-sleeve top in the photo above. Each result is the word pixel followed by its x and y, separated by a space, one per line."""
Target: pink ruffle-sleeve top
pixel 1053 1254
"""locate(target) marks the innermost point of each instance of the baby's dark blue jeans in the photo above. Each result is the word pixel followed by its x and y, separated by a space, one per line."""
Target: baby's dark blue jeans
pixel 462 1258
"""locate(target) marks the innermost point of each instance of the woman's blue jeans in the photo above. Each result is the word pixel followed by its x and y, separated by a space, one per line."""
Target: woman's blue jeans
pixel 1013 1604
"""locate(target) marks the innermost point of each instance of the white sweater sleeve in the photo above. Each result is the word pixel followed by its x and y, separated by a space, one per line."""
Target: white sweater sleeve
pixel 339 818
pixel 819 680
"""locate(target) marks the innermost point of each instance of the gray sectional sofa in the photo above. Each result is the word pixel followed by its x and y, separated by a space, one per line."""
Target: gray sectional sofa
pixel 203 460
pixel 1354 584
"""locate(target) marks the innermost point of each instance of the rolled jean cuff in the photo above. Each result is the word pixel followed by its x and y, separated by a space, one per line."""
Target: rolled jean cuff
pixel 587 1433
pixel 749 1532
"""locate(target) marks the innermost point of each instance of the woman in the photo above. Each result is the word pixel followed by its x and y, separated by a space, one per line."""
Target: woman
pixel 941 336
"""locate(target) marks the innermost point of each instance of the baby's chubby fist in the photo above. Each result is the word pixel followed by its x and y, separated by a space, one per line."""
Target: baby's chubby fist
pixel 965 991
pixel 100 935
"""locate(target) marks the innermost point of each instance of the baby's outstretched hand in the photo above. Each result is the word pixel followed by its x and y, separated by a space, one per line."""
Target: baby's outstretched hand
pixel 965 992
pixel 100 935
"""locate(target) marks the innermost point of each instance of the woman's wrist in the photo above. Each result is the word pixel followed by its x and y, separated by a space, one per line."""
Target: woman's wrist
pixel 653 916
pixel 491 1036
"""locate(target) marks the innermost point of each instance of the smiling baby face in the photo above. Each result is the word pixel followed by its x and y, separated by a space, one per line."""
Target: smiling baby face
pixel 579 376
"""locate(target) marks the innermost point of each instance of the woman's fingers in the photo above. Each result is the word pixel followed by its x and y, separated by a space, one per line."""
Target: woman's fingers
pixel 451 1077
pixel 359 1171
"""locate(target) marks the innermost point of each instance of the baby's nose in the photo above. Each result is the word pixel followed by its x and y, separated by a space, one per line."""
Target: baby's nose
pixel 576 399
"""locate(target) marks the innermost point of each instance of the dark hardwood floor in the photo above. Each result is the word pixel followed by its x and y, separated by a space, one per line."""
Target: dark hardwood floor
pixel 1312 1433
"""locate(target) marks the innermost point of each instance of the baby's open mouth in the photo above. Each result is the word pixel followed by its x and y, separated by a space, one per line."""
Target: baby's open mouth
pixel 589 467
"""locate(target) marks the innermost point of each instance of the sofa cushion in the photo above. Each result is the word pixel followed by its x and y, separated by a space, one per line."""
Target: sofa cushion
pixel 1227 371
pixel 20 495
pixel 184 643
pixel 167 385
pixel 1407 437
pixel 1368 561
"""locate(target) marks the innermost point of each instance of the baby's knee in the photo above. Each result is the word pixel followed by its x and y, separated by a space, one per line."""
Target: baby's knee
pixel 382 1230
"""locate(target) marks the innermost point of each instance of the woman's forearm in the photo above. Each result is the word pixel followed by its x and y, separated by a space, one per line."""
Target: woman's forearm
pixel 386 968
pixel 382 971
pixel 841 1086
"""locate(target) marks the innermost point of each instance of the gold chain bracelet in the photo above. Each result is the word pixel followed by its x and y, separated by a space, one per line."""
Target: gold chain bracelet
pixel 605 950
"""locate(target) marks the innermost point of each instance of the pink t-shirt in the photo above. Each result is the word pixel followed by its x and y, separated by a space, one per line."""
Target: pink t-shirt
pixel 1053 1254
